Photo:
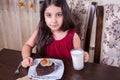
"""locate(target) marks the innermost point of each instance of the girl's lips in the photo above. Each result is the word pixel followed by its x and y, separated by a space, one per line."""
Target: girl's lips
pixel 54 25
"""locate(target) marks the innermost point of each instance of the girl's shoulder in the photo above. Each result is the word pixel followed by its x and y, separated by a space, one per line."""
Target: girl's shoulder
pixel 72 31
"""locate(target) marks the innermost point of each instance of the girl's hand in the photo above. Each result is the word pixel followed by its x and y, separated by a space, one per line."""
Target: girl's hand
pixel 86 56
pixel 27 62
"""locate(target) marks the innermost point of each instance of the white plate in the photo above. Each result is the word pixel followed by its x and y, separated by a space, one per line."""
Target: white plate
pixel 57 74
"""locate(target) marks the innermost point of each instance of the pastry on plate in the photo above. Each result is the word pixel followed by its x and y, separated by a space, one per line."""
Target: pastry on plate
pixel 46 66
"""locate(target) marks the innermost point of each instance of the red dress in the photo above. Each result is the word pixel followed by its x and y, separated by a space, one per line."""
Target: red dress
pixel 61 48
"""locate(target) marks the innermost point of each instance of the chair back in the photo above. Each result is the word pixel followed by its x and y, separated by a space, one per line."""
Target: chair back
pixel 107 44
pixel 83 15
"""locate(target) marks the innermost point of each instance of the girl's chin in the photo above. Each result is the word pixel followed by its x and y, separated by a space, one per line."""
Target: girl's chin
pixel 55 29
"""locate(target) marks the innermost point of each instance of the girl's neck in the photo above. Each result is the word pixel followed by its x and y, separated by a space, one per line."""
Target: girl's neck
pixel 58 35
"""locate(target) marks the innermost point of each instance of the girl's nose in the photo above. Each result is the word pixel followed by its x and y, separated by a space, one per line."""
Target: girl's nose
pixel 54 19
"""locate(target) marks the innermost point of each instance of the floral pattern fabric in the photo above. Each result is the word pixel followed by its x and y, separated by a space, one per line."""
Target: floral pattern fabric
pixel 110 50
pixel 80 10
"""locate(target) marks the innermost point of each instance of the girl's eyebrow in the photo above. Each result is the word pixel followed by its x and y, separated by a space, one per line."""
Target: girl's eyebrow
pixel 47 12
pixel 56 12
pixel 59 12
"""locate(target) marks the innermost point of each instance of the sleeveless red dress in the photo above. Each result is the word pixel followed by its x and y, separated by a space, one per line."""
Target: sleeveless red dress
pixel 61 48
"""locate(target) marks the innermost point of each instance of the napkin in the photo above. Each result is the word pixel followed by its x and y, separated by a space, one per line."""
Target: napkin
pixel 25 78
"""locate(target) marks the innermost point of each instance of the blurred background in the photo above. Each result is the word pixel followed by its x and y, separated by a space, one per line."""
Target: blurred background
pixel 18 19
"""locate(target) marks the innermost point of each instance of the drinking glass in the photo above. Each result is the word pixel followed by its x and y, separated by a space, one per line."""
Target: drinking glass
pixel 77 58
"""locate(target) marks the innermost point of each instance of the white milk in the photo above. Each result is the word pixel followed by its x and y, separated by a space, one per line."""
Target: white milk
pixel 77 59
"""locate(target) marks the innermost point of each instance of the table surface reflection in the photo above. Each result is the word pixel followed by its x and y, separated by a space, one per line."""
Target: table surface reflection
pixel 9 60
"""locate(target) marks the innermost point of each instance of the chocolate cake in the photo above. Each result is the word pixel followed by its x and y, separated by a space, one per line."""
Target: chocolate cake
pixel 45 67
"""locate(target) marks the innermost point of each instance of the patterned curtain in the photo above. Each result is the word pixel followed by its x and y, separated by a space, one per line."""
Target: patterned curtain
pixel 111 35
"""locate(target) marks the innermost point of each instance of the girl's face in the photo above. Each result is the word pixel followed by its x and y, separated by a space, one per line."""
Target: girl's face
pixel 53 17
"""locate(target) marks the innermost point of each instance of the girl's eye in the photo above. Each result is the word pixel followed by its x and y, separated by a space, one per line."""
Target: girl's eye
pixel 59 14
pixel 48 15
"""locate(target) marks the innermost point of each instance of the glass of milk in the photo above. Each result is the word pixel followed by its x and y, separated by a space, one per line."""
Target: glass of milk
pixel 77 58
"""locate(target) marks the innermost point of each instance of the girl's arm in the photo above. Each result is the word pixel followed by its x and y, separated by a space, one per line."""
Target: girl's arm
pixel 27 49
pixel 76 45
pixel 29 44
pixel 76 41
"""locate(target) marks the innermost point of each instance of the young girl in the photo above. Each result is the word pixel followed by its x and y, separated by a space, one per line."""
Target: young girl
pixel 55 36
